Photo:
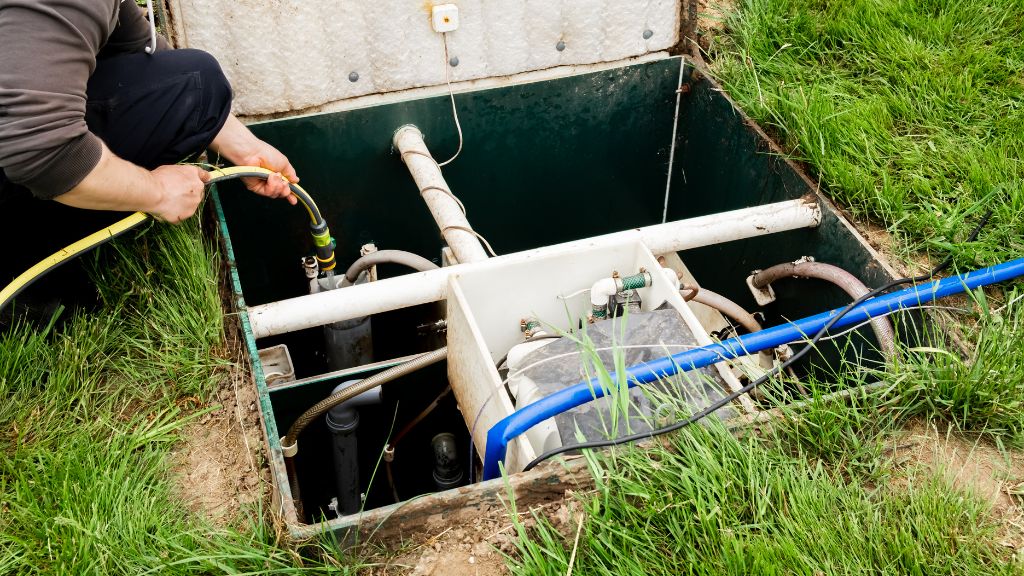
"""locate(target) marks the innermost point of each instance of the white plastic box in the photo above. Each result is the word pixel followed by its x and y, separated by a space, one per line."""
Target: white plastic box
pixel 485 308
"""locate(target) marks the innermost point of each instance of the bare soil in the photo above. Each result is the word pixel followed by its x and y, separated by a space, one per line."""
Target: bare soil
pixel 973 466
pixel 219 463
pixel 478 547
pixel 711 14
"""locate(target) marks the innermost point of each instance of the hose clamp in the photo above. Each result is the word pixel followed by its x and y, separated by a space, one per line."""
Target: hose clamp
pixel 289 451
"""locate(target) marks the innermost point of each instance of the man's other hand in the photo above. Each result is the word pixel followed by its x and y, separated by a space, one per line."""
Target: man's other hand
pixel 276 186
pixel 236 143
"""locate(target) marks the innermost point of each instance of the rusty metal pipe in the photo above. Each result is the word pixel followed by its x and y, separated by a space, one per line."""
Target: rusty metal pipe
pixel 833 274
pixel 731 310
pixel 400 257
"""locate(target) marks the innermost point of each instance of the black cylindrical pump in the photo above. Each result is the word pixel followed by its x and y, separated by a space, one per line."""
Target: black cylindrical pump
pixel 447 469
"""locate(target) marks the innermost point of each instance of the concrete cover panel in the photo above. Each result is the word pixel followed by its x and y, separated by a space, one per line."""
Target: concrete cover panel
pixel 286 56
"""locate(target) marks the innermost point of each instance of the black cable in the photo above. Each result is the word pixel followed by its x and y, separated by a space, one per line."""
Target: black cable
pixel 724 401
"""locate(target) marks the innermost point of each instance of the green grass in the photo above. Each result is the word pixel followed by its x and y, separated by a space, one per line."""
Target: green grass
pixel 982 393
pixel 910 111
pixel 814 491
pixel 710 503
pixel 90 415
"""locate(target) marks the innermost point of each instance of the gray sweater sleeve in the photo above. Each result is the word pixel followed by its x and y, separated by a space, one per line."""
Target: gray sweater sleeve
pixel 47 53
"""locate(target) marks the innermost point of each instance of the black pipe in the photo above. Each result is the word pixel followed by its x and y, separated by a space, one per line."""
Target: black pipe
pixel 343 421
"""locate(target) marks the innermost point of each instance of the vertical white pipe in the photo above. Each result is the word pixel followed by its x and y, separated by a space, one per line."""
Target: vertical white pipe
pixel 447 211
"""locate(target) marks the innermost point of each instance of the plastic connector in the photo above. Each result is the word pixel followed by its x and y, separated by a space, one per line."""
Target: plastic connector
pixel 289 451
pixel 324 247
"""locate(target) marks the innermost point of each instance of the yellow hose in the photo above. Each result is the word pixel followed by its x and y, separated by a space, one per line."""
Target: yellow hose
pixel 68 252
pixel 121 226
pixel 219 174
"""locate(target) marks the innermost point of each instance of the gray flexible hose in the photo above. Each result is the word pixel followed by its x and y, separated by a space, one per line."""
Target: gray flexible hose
pixel 318 409
pixel 732 310
pixel 725 306
pixel 401 257
pixel 848 282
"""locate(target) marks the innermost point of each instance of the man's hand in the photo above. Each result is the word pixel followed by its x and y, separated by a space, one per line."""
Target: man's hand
pixel 181 190
pixel 236 143
pixel 169 193
pixel 275 186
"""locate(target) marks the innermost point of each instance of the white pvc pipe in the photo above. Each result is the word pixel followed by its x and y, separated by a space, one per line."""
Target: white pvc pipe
pixel 601 291
pixel 447 212
pixel 734 225
pixel 423 287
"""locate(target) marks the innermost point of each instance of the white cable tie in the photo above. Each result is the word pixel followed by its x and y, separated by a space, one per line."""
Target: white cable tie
pixel 151 48
pixel 573 295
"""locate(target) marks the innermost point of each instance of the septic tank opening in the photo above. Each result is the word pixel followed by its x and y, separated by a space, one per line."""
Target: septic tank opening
pixel 569 180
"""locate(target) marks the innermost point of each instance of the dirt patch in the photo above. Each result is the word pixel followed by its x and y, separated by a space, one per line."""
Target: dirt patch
pixel 970 465
pixel 475 548
pixel 712 14
pixel 219 464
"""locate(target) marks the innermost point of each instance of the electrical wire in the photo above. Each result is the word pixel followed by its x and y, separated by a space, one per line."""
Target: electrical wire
pixel 728 399
pixel 451 94
pixel 487 245
pixel 462 207
pixel 856 327
pixel 420 417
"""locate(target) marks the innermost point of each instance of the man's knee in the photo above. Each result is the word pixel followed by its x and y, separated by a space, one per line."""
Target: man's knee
pixel 158 109
pixel 215 86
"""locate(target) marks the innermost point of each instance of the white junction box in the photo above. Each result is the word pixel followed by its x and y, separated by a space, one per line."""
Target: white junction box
pixel 444 18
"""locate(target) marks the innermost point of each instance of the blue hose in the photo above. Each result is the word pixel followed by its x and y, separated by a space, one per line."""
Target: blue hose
pixel 522 420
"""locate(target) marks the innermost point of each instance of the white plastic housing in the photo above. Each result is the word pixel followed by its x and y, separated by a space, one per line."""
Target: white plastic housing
pixel 486 306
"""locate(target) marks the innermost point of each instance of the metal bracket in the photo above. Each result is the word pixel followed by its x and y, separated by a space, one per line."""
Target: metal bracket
pixel 763 296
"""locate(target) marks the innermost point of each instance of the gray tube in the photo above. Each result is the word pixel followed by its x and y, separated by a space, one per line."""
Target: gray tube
pixel 408 259
pixel 727 307
pixel 853 287
pixel 343 422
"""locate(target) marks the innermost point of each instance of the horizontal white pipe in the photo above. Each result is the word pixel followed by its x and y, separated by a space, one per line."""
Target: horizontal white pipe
pixel 423 287
pixel 447 212
pixel 734 225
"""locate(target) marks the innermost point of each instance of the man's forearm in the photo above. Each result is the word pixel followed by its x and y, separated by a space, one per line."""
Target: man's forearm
pixel 170 193
pixel 235 142
pixel 115 184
